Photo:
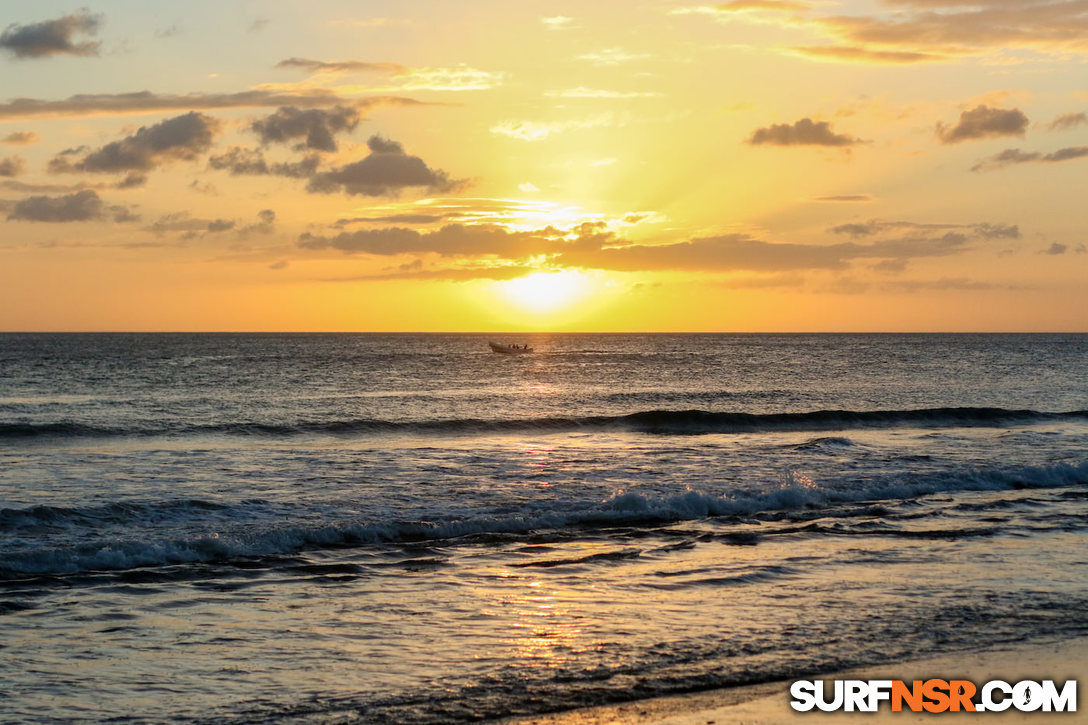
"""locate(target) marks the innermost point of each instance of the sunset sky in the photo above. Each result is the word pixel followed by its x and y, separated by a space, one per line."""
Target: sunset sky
pixel 757 165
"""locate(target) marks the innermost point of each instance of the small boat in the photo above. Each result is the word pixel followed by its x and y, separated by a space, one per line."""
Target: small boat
pixel 509 349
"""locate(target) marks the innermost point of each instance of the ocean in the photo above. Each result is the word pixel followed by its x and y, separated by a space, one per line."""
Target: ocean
pixel 410 528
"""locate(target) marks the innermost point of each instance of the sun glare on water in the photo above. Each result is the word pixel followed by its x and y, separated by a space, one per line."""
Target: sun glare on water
pixel 543 292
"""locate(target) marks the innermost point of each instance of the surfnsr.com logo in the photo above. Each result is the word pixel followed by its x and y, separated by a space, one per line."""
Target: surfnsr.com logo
pixel 933 695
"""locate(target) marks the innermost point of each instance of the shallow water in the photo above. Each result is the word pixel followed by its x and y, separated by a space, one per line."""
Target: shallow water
pixel 411 528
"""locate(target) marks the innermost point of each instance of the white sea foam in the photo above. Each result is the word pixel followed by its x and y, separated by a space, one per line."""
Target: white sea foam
pixel 796 491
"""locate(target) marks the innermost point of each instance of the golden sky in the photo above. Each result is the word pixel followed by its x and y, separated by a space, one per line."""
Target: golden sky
pixel 756 165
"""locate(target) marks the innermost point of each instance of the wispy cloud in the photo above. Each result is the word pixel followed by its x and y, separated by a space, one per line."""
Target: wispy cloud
pixel 457 78
pixel 845 198
pixel 856 54
pixel 613 57
pixel 540 130
pixel 400 77
pixel 922 30
pixel 583 92
pixel 1068 121
pixel 117 104
pixel 557 22
pixel 20 138
pixel 341 66
pixel 1008 157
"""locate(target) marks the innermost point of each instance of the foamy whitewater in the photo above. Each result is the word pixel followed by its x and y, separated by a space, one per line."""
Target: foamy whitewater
pixel 410 528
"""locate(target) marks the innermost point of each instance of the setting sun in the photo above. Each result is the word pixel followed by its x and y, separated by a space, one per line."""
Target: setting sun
pixel 545 291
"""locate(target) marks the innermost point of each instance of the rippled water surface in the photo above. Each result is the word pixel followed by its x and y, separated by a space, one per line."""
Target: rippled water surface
pixel 412 528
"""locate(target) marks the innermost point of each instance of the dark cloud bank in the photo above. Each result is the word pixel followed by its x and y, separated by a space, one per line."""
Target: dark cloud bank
pixel 592 246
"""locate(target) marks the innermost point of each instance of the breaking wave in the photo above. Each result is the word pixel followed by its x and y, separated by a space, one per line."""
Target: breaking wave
pixel 251 538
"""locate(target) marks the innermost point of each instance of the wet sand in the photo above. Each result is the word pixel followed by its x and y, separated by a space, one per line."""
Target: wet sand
pixel 768 704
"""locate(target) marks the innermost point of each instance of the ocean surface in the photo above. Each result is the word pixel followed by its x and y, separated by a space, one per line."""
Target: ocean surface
pixel 410 528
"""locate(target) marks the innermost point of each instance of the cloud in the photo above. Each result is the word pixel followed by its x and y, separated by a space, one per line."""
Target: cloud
pixel 52 37
pixel 458 78
pixel 984 122
pixel 221 225
pixel 182 221
pixel 265 224
pixel 583 92
pixel 49 188
pixel 450 240
pixel 986 230
pixel 386 171
pixel 108 104
pixel 613 57
pixel 1009 157
pixel 415 270
pixel 891 266
pixel 180 138
pixel 204 188
pixel 169 32
pixel 318 127
pixel 944 283
pixel 851 198
pixel 132 181
pixel 739 6
pixel 805 132
pixel 557 22
pixel 20 138
pixel 957 27
pixel 396 219
pixel 78 207
pixel 765 281
pixel 403 78
pixel 1067 121
pixel 1056 248
pixel 250 162
pixel 723 253
pixel 855 54
pixel 372 22
pixel 341 66
pixel 540 130
pixel 593 245
pixel 12 166
pixel 194 228
pixel 913 31
pixel 741 252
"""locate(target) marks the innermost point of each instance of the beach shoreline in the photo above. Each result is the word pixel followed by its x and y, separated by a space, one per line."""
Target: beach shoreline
pixel 768 703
